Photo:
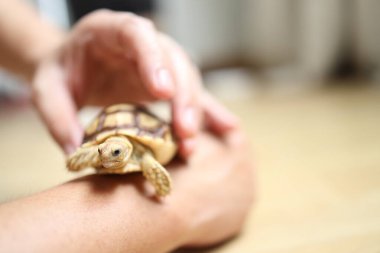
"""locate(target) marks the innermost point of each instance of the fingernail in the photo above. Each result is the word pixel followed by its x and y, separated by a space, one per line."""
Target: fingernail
pixel 232 120
pixel 76 141
pixel 187 147
pixel 190 144
pixel 164 81
pixel 78 137
pixel 69 149
pixel 190 120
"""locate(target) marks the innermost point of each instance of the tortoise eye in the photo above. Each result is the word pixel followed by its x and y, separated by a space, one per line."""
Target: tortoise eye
pixel 116 152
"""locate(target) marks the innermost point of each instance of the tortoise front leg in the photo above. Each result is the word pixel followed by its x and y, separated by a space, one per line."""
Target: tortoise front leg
pixel 84 157
pixel 156 174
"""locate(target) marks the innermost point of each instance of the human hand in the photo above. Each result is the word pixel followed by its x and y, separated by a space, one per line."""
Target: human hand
pixel 214 190
pixel 114 57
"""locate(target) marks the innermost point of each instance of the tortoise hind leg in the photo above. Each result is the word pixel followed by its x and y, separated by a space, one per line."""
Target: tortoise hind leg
pixel 156 174
pixel 84 157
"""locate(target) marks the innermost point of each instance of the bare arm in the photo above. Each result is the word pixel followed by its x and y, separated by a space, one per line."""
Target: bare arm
pixel 93 214
pixel 25 38
pixel 210 200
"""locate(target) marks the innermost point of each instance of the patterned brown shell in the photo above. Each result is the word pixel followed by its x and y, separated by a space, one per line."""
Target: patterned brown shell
pixel 135 122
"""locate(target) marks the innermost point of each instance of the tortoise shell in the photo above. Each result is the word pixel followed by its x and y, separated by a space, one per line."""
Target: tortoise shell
pixel 135 122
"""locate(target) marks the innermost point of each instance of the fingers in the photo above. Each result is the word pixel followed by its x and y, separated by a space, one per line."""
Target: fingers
pixel 135 38
pixel 56 107
pixel 186 147
pixel 236 139
pixel 218 119
pixel 186 107
pixel 191 104
pixel 186 104
pixel 140 35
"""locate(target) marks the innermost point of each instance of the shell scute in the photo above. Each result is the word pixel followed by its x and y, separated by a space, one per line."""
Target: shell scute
pixel 134 122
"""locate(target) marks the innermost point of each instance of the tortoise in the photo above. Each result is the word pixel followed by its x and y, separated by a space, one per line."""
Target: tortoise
pixel 126 138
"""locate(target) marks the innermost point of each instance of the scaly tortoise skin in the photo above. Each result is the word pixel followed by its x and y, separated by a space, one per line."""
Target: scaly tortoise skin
pixel 126 138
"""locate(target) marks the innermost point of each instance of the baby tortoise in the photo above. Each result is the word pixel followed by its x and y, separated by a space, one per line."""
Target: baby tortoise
pixel 125 138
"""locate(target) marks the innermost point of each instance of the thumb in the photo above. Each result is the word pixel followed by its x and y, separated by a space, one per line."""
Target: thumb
pixel 56 107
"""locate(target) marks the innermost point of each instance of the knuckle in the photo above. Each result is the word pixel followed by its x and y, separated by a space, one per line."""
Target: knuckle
pixel 147 23
pixel 94 17
pixel 137 30
pixel 101 13
pixel 140 22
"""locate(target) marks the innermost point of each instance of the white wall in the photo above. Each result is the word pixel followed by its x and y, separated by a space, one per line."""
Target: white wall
pixel 209 29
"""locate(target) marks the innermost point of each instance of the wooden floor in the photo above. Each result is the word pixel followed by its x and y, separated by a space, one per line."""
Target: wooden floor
pixel 318 162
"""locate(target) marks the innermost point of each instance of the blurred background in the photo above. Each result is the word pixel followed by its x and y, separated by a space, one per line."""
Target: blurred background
pixel 303 75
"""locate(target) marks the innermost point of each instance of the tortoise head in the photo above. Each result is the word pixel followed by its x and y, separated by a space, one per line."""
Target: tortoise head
pixel 115 152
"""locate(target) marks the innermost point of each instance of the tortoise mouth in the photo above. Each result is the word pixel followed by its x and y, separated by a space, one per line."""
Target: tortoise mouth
pixel 114 164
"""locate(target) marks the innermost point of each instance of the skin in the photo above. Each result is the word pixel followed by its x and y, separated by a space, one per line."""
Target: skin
pixel 209 203
pixel 111 57
pixel 107 58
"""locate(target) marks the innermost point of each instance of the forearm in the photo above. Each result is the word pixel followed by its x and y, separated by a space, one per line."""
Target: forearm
pixel 25 38
pixel 210 200
pixel 93 214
